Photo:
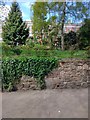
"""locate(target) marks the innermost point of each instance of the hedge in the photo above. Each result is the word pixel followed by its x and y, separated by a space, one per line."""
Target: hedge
pixel 14 68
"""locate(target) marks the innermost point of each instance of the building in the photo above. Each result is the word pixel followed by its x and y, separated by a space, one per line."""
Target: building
pixel 67 27
pixel 29 25
pixel 71 27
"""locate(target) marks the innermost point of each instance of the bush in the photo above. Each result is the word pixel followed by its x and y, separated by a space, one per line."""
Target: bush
pixel 14 68
pixel 41 47
pixel 88 51
pixel 84 34
pixel 70 39
pixel 37 50
pixel 30 42
pixel 17 51
pixel 0 49
pixel 6 50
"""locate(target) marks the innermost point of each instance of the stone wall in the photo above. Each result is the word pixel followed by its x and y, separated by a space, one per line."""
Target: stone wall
pixel 69 74
pixel 26 83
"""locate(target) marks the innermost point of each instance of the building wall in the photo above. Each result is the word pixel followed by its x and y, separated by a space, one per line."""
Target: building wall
pixel 29 25
pixel 67 28
pixel 71 27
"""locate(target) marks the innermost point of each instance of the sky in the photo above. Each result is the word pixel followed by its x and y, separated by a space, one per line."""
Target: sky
pixel 25 8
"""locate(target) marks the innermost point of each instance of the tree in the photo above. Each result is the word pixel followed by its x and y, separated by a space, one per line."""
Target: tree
pixel 61 12
pixel 65 10
pixel 15 31
pixel 62 25
pixel 74 10
pixel 39 17
pixel 84 34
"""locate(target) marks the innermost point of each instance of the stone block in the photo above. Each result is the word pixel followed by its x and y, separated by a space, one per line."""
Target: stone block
pixel 84 84
pixel 79 67
pixel 85 66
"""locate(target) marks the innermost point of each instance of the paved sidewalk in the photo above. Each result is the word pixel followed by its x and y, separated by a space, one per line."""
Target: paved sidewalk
pixel 69 103
pixel 0 105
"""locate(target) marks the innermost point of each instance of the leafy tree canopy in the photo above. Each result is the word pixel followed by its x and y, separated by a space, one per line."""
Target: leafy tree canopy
pixel 45 13
pixel 84 34
pixel 39 16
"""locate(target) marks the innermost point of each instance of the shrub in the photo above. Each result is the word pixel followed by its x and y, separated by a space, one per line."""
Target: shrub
pixel 70 39
pixel 88 51
pixel 0 49
pixel 37 50
pixel 17 51
pixel 30 42
pixel 6 50
pixel 14 68
pixel 84 34
pixel 40 47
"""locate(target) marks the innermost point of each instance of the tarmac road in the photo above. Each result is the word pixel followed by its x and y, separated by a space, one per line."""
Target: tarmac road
pixel 69 103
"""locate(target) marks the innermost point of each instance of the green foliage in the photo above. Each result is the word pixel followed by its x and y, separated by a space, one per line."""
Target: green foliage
pixel 15 31
pixel 84 34
pixel 6 50
pixel 39 16
pixel 88 52
pixel 40 47
pixel 30 43
pixel 11 87
pixel 0 49
pixel 59 13
pixel 42 51
pixel 70 39
pixel 16 50
pixel 14 68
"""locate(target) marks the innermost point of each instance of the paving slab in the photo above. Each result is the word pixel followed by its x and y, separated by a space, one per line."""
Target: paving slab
pixel 69 103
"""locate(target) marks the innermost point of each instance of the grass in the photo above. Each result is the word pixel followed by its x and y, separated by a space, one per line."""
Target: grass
pixel 41 51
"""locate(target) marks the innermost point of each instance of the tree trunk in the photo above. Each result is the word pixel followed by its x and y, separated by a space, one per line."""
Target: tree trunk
pixel 62 26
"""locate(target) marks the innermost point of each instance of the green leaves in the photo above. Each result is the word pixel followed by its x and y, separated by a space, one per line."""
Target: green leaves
pixel 13 69
pixel 84 34
pixel 15 30
pixel 39 16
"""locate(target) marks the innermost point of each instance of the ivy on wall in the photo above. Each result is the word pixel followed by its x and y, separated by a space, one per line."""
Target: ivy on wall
pixel 38 68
